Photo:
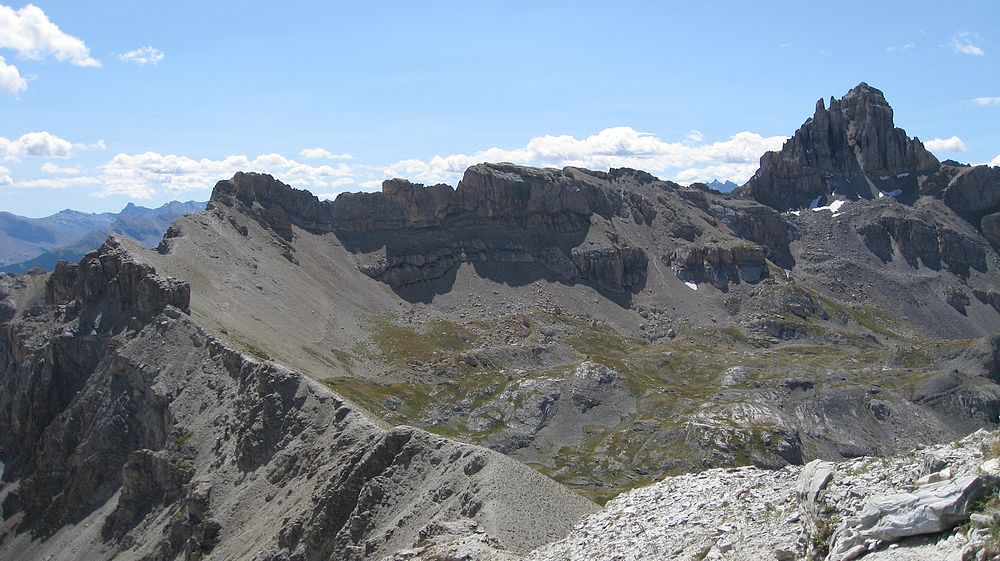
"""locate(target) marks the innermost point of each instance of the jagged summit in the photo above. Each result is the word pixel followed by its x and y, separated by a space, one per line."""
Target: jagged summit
pixel 852 148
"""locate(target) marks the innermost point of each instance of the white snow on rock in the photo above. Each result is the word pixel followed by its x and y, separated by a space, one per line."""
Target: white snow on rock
pixel 691 285
pixel 893 193
pixel 833 207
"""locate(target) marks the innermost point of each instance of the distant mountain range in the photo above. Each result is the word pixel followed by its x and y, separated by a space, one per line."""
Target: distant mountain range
pixel 27 243
pixel 722 186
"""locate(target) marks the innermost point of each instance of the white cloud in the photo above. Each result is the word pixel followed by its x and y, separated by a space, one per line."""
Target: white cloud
pixel 784 45
pixel 953 144
pixel 11 81
pixel 29 32
pixel 5 178
pixel 142 56
pixel 735 159
pixel 55 182
pixel 324 154
pixel 40 144
pixel 984 101
pixel 900 48
pixel 962 43
pixel 695 135
pixel 49 167
pixel 143 175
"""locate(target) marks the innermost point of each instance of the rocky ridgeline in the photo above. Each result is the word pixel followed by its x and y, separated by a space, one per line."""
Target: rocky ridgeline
pixel 935 504
pixel 110 288
pixel 496 215
pixel 127 431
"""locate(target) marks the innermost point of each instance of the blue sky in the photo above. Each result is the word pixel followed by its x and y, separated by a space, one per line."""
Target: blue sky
pixel 109 102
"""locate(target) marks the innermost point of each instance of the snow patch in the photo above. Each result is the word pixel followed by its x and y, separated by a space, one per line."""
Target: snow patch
pixel 893 193
pixel 691 285
pixel 795 212
pixel 833 207
pixel 903 175
pixel 883 177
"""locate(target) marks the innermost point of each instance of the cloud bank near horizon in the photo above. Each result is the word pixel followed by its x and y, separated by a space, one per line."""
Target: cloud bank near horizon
pixel 147 174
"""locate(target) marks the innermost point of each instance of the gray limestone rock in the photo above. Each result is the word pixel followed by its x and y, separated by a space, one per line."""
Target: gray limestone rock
pixel 852 148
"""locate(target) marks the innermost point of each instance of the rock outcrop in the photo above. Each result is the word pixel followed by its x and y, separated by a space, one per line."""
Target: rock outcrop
pixel 719 265
pixel 852 148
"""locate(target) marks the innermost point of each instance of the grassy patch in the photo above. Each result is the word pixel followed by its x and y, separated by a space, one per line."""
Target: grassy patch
pixel 344 358
pixel 374 397
pixel 400 345
pixel 184 438
pixel 253 350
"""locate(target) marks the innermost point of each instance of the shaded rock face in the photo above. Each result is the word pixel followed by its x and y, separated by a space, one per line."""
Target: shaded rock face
pixel 974 190
pixel 67 390
pixel 537 199
pixel 924 243
pixel 852 148
pixel 497 214
pixel 719 265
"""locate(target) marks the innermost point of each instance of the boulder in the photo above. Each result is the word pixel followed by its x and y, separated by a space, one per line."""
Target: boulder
pixel 929 509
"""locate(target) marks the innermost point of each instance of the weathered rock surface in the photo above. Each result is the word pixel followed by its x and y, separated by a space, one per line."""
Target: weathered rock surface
pixel 720 265
pixel 876 508
pixel 150 439
pixel 929 509
pixel 852 148
pixel 495 215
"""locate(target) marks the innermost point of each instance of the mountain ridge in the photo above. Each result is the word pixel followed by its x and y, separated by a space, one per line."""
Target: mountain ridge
pixel 375 375
pixel 26 243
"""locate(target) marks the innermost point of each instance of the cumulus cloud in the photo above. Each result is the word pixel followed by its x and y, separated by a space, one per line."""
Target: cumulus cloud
pixel 324 154
pixel 962 43
pixel 11 81
pixel 984 101
pixel 143 175
pixel 5 178
pixel 39 144
pixel 735 158
pixel 30 32
pixel 952 144
pixel 142 56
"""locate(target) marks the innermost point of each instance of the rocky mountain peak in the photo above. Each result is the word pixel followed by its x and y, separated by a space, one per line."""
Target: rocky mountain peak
pixel 852 148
